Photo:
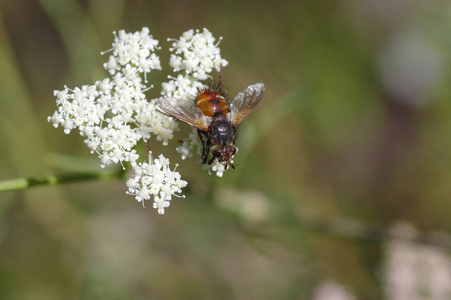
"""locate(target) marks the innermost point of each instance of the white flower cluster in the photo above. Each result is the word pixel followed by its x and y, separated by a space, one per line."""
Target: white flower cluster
pixel 114 115
pixel 133 49
pixel 196 53
pixel 155 180
pixel 183 88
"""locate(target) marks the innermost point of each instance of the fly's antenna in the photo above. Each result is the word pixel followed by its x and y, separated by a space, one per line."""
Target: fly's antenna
pixel 220 76
pixel 220 86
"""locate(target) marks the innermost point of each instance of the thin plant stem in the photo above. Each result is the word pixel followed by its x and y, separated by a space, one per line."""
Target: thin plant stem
pixel 27 182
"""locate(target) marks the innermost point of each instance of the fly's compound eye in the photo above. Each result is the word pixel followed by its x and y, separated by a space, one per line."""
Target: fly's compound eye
pixel 217 152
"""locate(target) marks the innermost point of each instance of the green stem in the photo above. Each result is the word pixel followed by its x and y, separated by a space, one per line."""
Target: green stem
pixel 24 183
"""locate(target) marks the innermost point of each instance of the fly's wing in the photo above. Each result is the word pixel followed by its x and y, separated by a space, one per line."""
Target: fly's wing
pixel 183 111
pixel 244 102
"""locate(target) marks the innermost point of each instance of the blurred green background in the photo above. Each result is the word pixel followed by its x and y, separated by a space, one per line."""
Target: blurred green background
pixel 355 125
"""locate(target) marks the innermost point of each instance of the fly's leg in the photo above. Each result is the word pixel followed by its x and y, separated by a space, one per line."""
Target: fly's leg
pixel 211 160
pixel 202 140
pixel 205 145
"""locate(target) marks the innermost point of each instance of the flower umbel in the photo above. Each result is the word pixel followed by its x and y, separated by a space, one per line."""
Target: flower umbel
pixel 114 115
pixel 135 50
pixel 155 180
pixel 196 53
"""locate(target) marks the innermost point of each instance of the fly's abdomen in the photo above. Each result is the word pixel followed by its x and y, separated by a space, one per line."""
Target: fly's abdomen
pixel 212 103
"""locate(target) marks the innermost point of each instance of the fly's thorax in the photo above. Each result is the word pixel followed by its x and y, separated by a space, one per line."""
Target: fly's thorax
pixel 212 103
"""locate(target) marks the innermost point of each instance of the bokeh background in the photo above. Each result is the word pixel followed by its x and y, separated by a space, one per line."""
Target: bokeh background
pixel 351 140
